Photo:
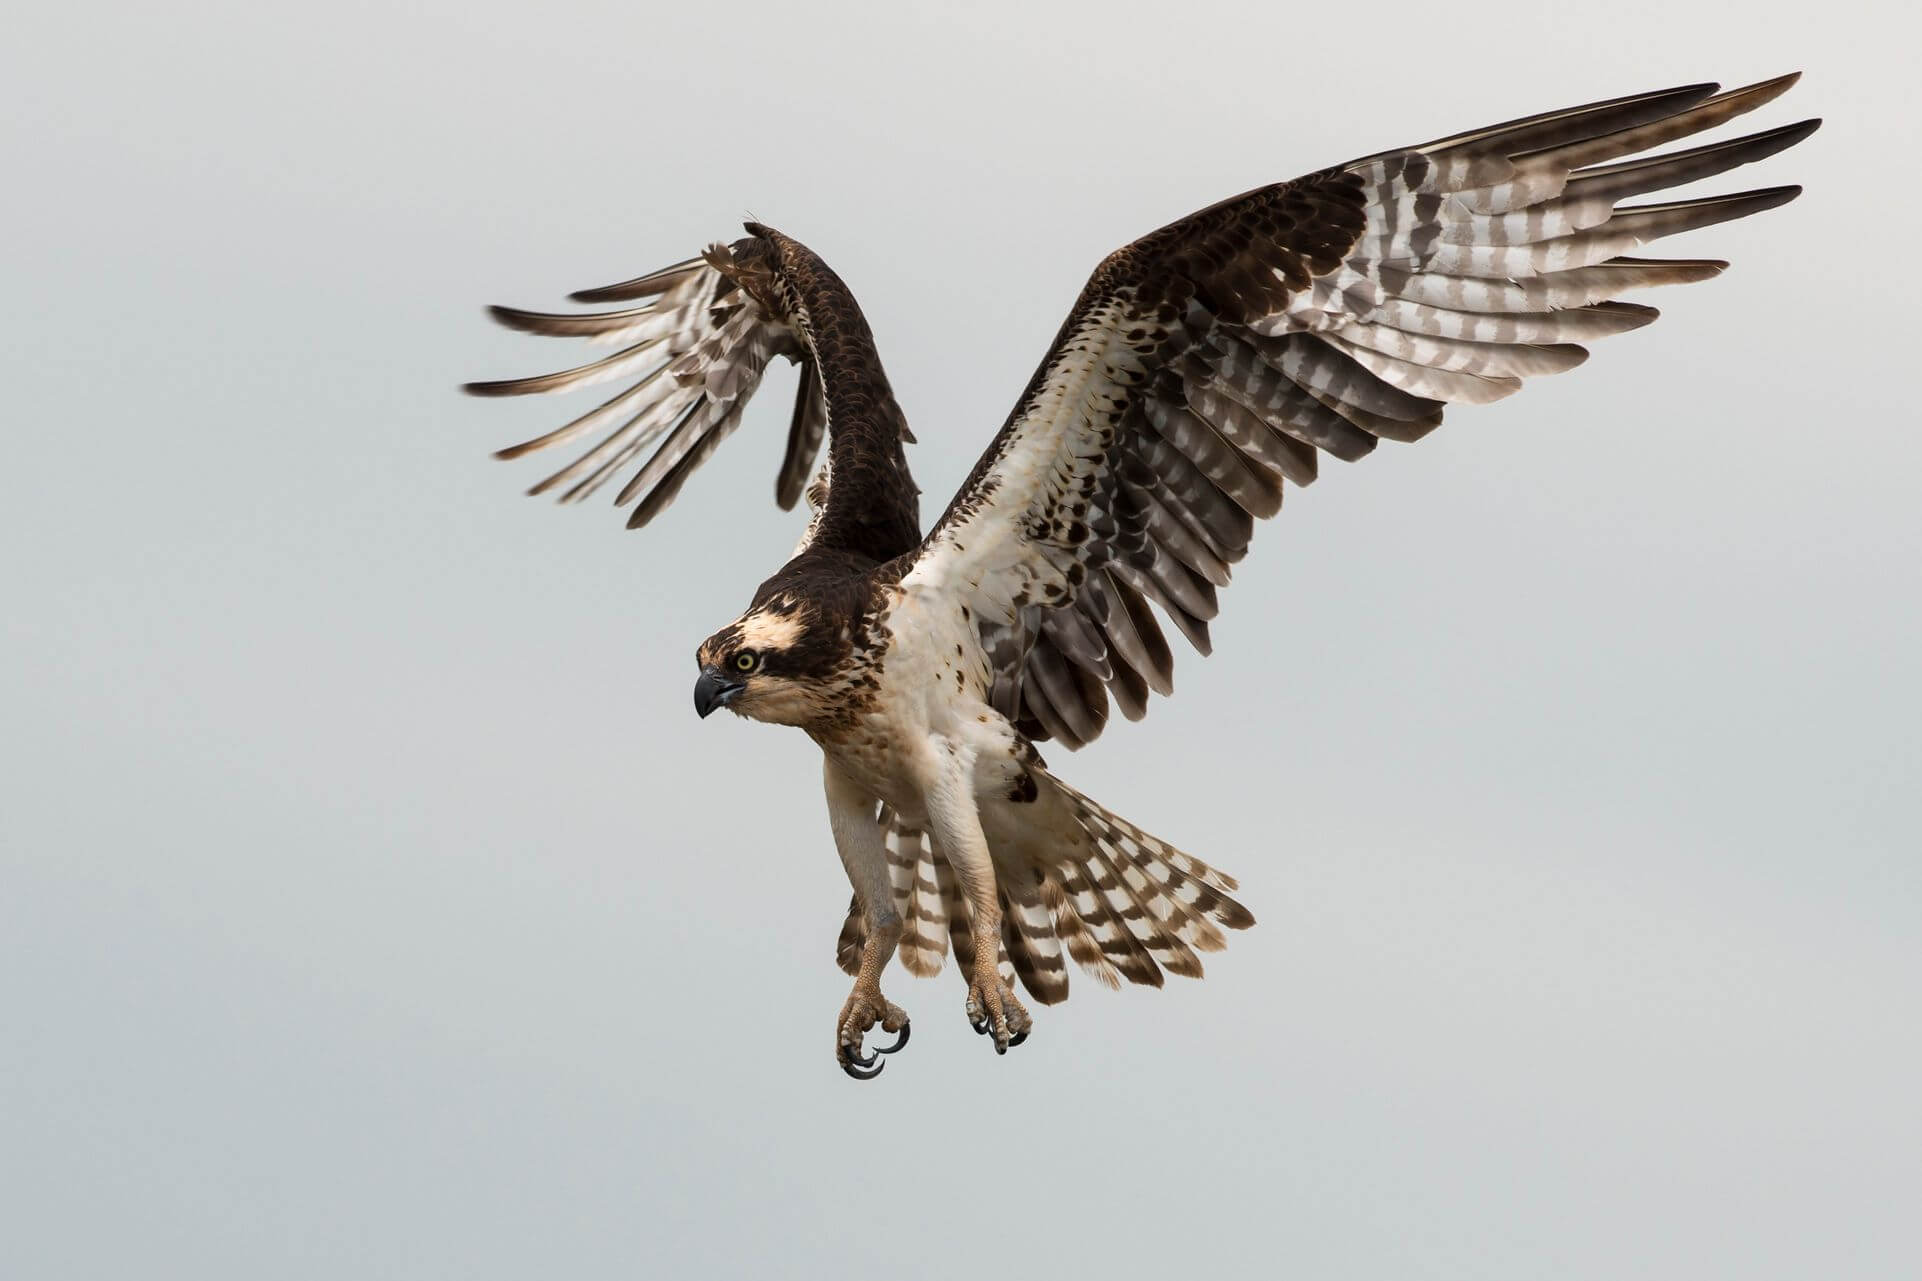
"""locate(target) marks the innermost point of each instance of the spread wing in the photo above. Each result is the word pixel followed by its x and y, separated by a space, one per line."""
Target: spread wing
pixel 690 357
pixel 1212 361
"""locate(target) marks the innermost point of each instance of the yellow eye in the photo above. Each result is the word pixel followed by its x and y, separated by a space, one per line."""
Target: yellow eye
pixel 746 660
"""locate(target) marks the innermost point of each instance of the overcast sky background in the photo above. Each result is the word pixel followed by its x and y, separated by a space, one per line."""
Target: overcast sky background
pixel 373 905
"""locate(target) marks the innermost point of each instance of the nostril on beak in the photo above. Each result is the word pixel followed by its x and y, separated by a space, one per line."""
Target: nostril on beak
pixel 714 689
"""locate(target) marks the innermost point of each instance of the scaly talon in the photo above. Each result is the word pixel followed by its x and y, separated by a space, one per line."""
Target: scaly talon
pixel 992 1008
pixel 865 1007
pixel 900 1040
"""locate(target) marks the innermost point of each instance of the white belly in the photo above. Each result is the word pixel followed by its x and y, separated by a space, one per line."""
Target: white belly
pixel 930 703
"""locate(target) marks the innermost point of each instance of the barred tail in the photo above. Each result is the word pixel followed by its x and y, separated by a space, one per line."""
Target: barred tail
pixel 1078 878
pixel 1134 905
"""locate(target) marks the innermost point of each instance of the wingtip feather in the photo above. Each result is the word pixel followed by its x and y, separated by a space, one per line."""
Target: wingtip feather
pixel 654 282
pixel 1764 91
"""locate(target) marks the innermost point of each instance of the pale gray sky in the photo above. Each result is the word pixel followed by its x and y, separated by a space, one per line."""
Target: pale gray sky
pixel 373 905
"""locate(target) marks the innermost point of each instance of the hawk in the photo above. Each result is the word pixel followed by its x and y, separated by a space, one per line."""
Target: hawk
pixel 1203 369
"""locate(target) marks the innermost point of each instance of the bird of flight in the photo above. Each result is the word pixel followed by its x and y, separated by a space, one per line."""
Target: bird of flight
pixel 1203 369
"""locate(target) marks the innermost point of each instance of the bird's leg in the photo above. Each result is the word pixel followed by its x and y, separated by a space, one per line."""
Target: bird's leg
pixel 992 1008
pixel 955 824
pixel 863 848
pixel 866 1006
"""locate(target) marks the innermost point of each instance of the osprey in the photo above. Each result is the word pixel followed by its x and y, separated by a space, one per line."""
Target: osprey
pixel 1203 368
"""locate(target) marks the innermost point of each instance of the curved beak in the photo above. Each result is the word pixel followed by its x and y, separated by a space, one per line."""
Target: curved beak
pixel 715 688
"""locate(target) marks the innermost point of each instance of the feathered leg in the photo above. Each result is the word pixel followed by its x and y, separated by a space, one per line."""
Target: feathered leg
pixel 860 839
pixel 955 823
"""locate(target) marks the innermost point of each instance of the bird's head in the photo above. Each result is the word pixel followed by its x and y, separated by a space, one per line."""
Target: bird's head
pixel 767 664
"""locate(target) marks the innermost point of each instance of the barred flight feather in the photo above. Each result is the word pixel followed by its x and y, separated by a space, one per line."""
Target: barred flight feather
pixel 697 351
pixel 1128 906
pixel 1028 937
pixel 924 934
pixel 1348 306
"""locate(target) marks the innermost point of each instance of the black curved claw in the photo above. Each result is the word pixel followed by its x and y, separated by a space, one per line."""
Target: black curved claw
pixel 899 1041
pixel 857 1067
pixel 981 1028
pixel 1018 1037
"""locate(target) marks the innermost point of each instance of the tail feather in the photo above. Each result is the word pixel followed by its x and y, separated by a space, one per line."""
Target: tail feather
pixel 1155 919
pixel 924 913
pixel 903 847
pixel 1137 847
pixel 1101 905
pixel 1081 943
pixel 1027 931
pixel 1084 881
pixel 1177 900
pixel 960 919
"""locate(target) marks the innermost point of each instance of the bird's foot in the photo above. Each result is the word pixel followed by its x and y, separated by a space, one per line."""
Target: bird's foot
pixel 993 1010
pixel 865 1007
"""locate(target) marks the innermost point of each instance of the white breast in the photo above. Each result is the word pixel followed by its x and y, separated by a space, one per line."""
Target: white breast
pixel 931 699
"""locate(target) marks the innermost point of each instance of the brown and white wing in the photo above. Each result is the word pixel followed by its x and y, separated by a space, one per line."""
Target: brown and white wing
pixel 687 360
pixel 1212 362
